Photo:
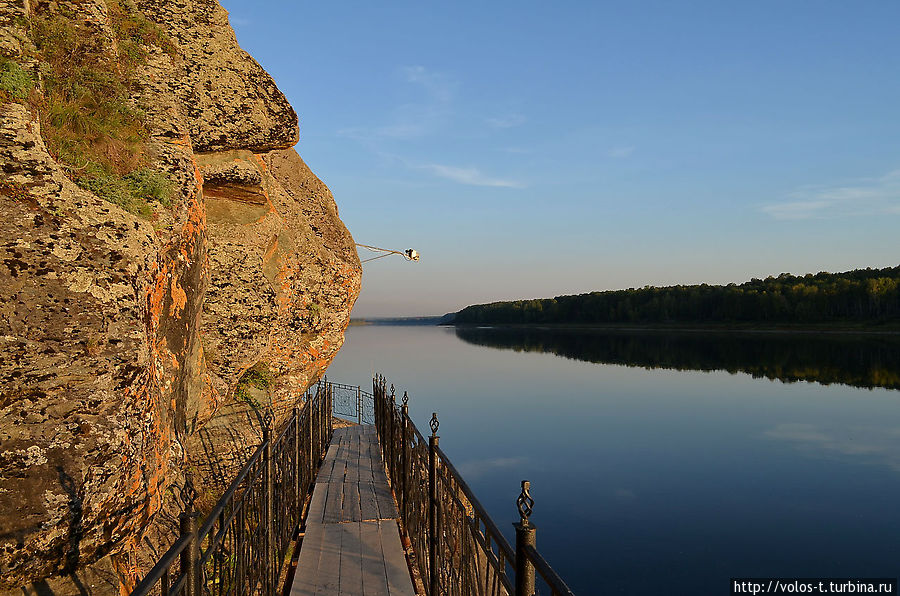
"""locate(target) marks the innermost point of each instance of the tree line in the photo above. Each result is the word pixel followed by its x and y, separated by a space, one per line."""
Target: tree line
pixel 858 296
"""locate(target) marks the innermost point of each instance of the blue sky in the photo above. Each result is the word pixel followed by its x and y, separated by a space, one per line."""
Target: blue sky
pixel 533 149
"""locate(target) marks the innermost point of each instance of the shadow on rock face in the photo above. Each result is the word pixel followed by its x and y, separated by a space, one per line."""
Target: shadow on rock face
pixel 72 551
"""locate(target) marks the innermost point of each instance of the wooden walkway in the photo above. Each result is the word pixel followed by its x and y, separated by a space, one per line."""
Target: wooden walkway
pixel 352 542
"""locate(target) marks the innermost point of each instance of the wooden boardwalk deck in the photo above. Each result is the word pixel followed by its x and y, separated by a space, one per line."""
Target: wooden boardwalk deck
pixel 352 543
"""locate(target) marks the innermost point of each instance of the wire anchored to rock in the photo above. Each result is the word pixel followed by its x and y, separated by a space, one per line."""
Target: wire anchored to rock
pixel 410 254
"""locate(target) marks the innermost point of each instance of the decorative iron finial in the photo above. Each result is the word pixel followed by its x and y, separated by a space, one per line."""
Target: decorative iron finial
pixel 434 424
pixel 405 398
pixel 267 419
pixel 525 503
pixel 188 494
pixel 392 391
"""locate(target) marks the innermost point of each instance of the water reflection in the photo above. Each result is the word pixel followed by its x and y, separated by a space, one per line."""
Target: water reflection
pixel 695 476
pixel 871 444
pixel 478 468
pixel 867 361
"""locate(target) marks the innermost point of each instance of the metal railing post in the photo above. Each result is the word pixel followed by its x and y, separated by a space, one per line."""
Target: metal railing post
pixel 358 404
pixel 404 457
pixel 392 445
pixel 315 418
pixel 311 415
pixel 329 423
pixel 239 540
pixel 379 387
pixel 329 419
pixel 189 522
pixel 434 525
pixel 525 536
pixel 322 403
pixel 297 500
pixel 381 412
pixel 268 453
pixel 322 399
pixel 318 419
pixel 310 465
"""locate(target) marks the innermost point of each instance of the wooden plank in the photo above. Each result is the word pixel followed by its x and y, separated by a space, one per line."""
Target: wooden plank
pixel 396 568
pixel 352 465
pixel 385 501
pixel 338 452
pixel 351 555
pixel 379 477
pixel 367 459
pixel 368 505
pixel 339 462
pixel 317 504
pixel 333 503
pixel 329 571
pixel 340 470
pixel 306 577
pixel 374 575
pixel 378 470
pixel 350 509
pixel 364 468
pixel 342 554
pixel 325 471
pixel 332 450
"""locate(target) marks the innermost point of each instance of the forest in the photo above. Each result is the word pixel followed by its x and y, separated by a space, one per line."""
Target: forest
pixel 862 296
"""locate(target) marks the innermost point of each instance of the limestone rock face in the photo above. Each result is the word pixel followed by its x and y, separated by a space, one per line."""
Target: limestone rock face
pixel 221 87
pixel 122 340
pixel 283 269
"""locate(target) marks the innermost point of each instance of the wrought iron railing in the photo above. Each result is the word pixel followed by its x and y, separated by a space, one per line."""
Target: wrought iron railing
pixel 353 403
pixel 243 543
pixel 458 548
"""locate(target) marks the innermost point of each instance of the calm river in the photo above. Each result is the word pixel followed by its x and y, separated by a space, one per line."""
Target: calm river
pixel 665 463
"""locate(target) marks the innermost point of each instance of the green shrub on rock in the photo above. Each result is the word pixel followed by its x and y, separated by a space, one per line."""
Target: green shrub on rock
pixel 15 81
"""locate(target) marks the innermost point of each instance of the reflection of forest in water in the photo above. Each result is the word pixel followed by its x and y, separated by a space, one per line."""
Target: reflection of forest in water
pixel 857 360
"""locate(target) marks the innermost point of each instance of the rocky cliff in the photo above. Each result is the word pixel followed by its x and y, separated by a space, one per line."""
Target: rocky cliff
pixel 160 238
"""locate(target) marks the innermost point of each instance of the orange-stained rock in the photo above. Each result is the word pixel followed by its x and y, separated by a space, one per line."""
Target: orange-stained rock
pixel 122 341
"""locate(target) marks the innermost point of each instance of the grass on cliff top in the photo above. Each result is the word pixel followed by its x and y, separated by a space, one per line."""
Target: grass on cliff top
pixel 88 122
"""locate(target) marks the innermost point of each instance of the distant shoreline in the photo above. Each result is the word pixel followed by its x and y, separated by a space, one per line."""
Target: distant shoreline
pixel 397 321
pixel 892 328
pixel 887 329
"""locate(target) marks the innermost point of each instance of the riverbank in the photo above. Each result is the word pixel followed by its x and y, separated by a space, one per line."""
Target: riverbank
pixel 892 328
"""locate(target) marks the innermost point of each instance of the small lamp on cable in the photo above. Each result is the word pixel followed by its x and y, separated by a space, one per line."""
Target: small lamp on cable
pixel 409 254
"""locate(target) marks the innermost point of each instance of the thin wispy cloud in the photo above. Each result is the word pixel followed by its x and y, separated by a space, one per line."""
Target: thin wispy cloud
pixel 409 122
pixel 469 175
pixel 506 121
pixel 442 87
pixel 414 119
pixel 866 196
pixel 430 114
pixel 620 152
